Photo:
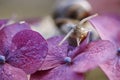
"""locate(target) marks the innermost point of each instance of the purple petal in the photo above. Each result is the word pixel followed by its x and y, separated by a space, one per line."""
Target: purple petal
pixel 96 53
pixel 3 21
pixel 59 73
pixel 7 33
pixel 112 68
pixel 108 28
pixel 56 53
pixel 28 51
pixel 8 72
pixel 12 29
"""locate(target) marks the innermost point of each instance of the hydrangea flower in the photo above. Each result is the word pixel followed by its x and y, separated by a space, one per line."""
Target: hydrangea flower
pixel 63 63
pixel 108 27
pixel 22 48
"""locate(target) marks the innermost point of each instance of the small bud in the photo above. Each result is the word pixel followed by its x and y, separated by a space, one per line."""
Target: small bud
pixel 2 59
pixel 68 60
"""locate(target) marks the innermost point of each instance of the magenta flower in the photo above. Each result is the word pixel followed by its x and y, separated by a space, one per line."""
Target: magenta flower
pixel 108 28
pixel 61 62
pixel 22 48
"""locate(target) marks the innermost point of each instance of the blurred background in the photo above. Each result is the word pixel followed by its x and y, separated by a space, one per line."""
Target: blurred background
pixel 41 8
pixel 25 8
pixel 38 8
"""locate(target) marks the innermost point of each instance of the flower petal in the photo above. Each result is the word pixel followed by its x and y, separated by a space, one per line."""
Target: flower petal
pixel 108 28
pixel 28 51
pixel 8 72
pixel 56 53
pixel 112 68
pixel 96 53
pixel 3 21
pixel 7 33
pixel 58 73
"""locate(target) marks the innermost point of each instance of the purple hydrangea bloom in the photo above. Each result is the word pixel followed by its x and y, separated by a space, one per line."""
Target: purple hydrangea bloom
pixel 21 47
pixel 64 64
pixel 108 27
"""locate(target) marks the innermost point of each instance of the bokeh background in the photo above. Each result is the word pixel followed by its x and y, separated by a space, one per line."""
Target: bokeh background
pixel 38 8
pixel 25 8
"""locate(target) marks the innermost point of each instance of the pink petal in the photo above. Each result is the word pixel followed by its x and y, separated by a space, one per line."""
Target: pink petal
pixel 108 28
pixel 55 54
pixel 7 33
pixel 8 72
pixel 58 73
pixel 28 51
pixel 3 21
pixel 96 53
pixel 112 68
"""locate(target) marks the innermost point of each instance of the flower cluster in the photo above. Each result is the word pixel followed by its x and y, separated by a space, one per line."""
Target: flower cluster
pixel 24 51
pixel 64 63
